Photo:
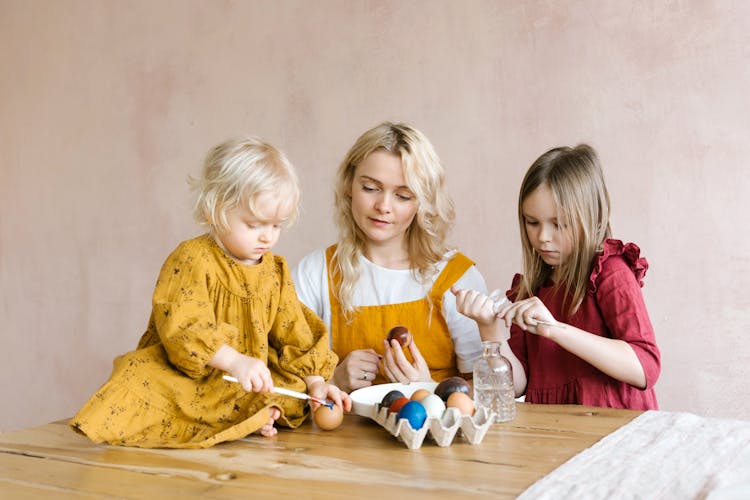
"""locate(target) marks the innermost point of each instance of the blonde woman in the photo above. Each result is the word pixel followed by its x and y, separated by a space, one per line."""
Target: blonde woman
pixel 223 304
pixel 391 266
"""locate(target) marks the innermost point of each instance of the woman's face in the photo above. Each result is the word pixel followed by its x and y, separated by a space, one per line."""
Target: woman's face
pixel 383 206
pixel 550 238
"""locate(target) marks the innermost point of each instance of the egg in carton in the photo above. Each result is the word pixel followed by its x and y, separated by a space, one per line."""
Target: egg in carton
pixel 442 430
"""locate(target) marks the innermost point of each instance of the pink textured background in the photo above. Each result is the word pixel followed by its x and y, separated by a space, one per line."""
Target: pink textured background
pixel 106 107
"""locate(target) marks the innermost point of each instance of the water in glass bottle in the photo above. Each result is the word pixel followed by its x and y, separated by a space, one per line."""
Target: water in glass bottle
pixel 493 383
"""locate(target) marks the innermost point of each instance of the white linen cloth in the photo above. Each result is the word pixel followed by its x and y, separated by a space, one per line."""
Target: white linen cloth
pixel 658 455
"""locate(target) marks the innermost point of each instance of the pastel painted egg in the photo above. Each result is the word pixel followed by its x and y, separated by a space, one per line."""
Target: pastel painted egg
pixel 451 385
pixel 389 398
pixel 462 402
pixel 398 404
pixel 401 334
pixel 328 418
pixel 420 394
pixel 414 413
pixel 433 405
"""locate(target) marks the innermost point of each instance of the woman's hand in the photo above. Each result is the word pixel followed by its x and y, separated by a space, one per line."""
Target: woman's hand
pixel 317 387
pixel 357 370
pixel 398 369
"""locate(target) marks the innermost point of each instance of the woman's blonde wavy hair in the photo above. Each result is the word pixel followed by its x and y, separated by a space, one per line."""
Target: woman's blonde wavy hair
pixel 425 177
pixel 574 175
pixel 236 172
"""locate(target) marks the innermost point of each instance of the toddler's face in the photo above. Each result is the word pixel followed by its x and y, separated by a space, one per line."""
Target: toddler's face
pixel 250 237
pixel 551 238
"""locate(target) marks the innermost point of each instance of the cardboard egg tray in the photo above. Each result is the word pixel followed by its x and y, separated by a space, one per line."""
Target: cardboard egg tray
pixel 441 430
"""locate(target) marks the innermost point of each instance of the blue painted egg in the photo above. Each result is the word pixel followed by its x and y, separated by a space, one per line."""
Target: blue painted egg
pixel 414 412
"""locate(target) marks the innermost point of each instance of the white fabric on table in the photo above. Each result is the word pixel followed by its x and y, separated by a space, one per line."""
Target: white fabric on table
pixel 658 455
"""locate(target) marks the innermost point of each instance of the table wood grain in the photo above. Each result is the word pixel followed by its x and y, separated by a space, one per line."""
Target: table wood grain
pixel 360 459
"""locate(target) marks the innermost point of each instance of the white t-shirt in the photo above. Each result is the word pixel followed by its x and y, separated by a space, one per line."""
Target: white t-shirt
pixel 379 286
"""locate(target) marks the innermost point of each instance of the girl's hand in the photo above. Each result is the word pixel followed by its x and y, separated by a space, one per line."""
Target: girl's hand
pixel 527 313
pixel 398 369
pixel 318 388
pixel 252 373
pixel 357 370
pixel 475 305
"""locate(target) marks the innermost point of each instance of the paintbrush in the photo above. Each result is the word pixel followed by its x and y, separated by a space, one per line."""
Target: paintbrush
pixel 288 392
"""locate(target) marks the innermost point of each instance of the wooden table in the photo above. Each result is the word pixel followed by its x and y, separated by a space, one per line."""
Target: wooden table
pixel 359 459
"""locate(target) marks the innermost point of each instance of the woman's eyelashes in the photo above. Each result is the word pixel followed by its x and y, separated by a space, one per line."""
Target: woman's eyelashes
pixel 400 195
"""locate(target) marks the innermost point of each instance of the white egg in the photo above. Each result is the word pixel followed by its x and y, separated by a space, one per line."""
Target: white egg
pixel 434 406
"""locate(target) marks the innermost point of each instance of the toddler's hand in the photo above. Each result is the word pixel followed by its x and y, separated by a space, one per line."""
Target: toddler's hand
pixel 252 373
pixel 318 388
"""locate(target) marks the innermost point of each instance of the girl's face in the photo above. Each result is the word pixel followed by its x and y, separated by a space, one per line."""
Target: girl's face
pixel 248 237
pixel 550 238
pixel 382 205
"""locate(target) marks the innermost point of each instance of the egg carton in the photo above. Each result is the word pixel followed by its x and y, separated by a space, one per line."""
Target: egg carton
pixel 441 430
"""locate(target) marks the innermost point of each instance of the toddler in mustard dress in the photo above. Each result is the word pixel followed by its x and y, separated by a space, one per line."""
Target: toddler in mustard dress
pixel 223 304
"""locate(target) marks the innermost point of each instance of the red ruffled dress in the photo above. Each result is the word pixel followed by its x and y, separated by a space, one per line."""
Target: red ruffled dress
pixel 613 308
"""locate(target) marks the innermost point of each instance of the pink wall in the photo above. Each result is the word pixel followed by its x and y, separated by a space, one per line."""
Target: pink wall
pixel 106 107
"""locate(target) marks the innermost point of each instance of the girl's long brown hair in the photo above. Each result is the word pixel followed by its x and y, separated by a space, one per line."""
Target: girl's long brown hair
pixel 574 175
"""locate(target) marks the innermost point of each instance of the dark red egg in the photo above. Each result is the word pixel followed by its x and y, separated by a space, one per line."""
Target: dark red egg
pixel 451 385
pixel 401 334
pixel 397 405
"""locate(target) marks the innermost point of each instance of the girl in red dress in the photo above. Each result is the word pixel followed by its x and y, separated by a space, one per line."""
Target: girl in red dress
pixel 579 329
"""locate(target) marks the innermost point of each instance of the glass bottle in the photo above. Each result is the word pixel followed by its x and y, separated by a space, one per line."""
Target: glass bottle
pixel 493 383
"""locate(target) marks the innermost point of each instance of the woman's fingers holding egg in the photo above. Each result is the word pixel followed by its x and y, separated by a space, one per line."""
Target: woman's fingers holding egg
pixel 406 368
pixel 390 365
pixel 420 365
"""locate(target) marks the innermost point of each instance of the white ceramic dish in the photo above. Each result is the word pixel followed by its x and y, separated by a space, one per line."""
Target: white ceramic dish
pixel 364 399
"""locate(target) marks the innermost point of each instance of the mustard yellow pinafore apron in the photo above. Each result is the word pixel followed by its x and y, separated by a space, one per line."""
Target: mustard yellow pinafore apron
pixel 369 325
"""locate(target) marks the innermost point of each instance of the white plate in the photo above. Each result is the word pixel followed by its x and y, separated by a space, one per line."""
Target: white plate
pixel 363 399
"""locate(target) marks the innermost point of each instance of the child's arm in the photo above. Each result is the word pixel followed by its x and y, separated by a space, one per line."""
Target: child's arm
pixel 251 372
pixel 613 357
pixel 298 344
pixel 479 307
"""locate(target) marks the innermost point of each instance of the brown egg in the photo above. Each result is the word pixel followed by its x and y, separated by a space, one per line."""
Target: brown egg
pixel 328 418
pixel 420 394
pixel 451 385
pixel 462 402
pixel 401 334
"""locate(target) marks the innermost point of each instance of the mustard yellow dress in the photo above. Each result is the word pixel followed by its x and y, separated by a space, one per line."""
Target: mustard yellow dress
pixel 164 394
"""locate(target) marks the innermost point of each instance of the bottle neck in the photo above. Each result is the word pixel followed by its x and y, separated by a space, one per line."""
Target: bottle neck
pixel 491 349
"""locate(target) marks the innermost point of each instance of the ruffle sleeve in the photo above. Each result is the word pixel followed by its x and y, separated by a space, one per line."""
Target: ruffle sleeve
pixel 628 251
